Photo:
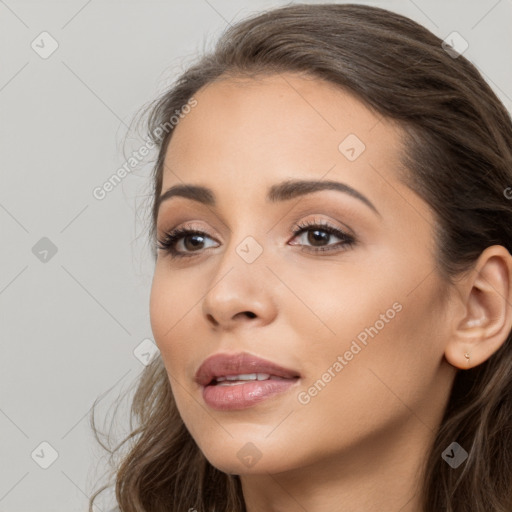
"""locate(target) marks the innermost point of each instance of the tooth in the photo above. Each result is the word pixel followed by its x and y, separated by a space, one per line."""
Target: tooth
pixel 247 376
pixel 243 376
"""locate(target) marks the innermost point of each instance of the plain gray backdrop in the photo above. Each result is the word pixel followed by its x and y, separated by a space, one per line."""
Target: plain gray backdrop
pixel 75 271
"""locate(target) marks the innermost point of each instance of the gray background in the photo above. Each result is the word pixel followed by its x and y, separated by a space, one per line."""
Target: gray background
pixel 72 323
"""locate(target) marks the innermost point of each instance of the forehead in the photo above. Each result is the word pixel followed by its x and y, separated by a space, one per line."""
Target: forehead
pixel 290 105
pixel 252 132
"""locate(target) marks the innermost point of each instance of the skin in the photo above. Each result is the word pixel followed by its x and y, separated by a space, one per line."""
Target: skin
pixel 360 442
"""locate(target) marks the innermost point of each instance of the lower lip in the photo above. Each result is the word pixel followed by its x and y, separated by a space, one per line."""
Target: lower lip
pixel 242 396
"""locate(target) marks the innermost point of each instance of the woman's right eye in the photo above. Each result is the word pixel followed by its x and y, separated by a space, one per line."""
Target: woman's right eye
pixel 190 239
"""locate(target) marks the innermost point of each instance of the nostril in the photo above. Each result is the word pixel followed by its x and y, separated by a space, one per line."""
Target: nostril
pixel 211 319
pixel 250 314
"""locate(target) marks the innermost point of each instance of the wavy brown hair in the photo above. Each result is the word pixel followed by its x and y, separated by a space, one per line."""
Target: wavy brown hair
pixel 457 156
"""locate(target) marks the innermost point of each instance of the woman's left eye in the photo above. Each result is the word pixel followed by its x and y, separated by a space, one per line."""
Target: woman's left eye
pixel 191 241
pixel 318 233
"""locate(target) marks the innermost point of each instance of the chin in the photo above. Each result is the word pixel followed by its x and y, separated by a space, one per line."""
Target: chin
pixel 246 456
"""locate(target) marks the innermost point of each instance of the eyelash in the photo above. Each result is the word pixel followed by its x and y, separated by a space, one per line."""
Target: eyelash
pixel 168 242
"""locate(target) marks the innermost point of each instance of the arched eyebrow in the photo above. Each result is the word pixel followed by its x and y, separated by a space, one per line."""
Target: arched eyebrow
pixel 283 191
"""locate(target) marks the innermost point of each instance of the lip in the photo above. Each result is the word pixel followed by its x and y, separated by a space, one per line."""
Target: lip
pixel 241 396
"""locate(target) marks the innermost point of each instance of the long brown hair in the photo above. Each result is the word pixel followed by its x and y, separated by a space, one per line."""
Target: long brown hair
pixel 457 151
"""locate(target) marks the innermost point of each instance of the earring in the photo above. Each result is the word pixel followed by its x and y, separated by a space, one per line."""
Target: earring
pixel 467 356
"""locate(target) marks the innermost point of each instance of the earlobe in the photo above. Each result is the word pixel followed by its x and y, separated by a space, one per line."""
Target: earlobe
pixel 486 318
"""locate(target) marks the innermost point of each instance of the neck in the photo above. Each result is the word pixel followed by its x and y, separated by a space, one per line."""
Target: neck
pixel 383 473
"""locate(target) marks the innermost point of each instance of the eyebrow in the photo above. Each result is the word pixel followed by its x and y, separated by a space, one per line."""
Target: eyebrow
pixel 283 191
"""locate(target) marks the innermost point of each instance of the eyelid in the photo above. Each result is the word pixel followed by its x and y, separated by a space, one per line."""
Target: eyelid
pixel 302 217
pixel 192 225
pixel 309 206
pixel 329 221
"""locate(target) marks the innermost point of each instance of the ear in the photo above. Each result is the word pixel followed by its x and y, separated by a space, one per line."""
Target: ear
pixel 484 319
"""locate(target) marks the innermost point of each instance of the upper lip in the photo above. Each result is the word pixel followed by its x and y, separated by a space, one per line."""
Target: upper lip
pixel 220 365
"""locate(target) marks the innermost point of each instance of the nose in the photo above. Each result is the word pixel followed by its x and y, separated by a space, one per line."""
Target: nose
pixel 239 293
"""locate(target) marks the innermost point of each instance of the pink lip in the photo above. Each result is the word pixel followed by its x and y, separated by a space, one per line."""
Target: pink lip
pixel 241 396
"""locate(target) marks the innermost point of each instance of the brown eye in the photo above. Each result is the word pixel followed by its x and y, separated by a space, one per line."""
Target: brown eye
pixel 183 242
pixel 319 234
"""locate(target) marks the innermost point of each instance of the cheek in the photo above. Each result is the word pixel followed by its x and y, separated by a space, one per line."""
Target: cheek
pixel 379 363
pixel 170 303
pixel 357 390
pixel 168 314
pixel 160 304
pixel 328 311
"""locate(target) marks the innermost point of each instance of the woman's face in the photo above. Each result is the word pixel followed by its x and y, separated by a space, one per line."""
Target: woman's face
pixel 350 305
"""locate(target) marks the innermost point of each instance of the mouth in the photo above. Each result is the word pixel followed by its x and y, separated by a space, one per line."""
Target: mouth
pixel 239 381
